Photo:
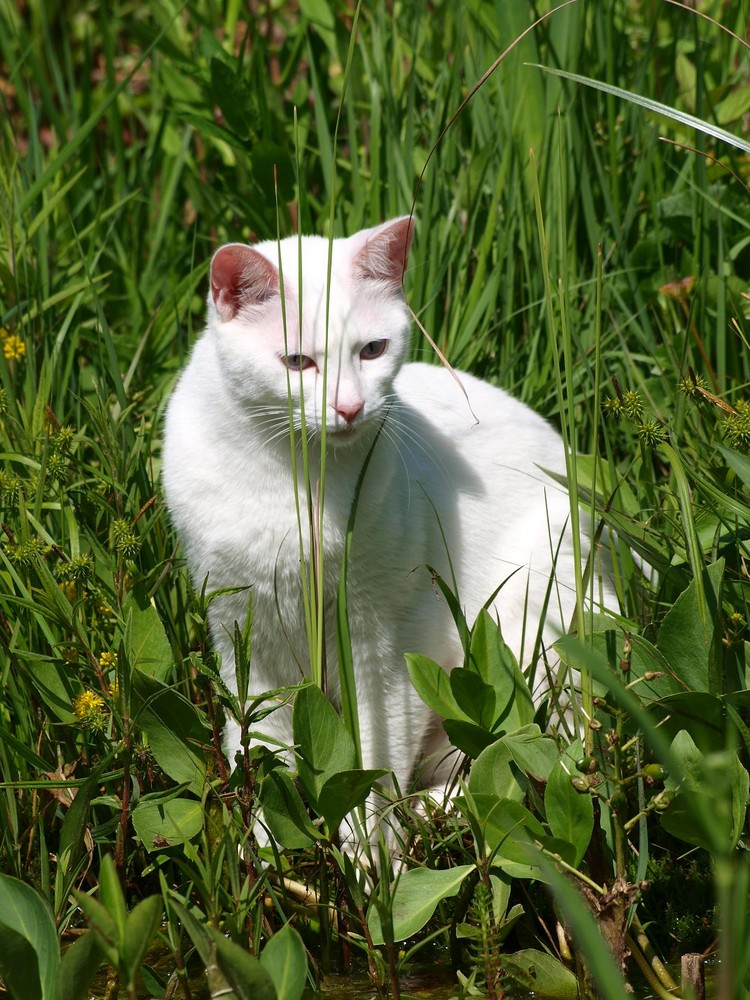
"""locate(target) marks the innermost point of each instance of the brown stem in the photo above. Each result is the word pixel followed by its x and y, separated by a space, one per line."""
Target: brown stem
pixel 122 829
pixel 701 346
pixel 372 967
pixel 492 969
pixel 246 806
pixel 393 970
pixel 221 763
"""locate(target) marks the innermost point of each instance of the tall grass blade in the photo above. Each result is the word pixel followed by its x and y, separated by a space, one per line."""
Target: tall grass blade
pixel 682 117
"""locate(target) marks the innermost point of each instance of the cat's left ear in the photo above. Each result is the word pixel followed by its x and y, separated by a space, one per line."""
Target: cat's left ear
pixel 241 277
pixel 381 253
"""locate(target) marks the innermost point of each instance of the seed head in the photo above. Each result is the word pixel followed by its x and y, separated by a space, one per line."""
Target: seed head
pixel 651 433
pixel 62 441
pixel 8 487
pixel 632 405
pixel 612 407
pixel 691 385
pixel 57 466
pixel 737 426
pixel 24 553
pixel 126 542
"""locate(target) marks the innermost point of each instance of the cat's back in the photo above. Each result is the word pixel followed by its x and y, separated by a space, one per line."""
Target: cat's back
pixel 478 417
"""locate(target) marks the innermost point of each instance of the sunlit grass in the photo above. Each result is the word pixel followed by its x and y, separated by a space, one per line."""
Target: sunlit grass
pixel 132 144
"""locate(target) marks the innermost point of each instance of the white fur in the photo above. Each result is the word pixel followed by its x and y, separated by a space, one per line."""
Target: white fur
pixel 478 468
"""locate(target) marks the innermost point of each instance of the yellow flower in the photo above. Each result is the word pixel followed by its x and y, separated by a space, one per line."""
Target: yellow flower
pixel 107 660
pixel 13 347
pixel 88 707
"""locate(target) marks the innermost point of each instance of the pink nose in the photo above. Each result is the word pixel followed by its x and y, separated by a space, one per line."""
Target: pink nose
pixel 348 410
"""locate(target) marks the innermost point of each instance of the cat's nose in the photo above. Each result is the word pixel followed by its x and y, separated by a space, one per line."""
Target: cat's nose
pixel 348 410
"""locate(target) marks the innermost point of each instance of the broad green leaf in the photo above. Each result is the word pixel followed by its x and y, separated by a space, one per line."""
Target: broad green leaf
pixel 164 824
pixel 710 797
pixel 196 930
pixel 508 827
pixel 512 917
pixel 738 463
pixel 78 967
pixel 492 775
pixel 541 974
pixel 141 926
pixel 415 897
pixel 325 746
pixel 146 643
pixel 284 812
pixel 19 966
pixel 534 753
pixel 514 870
pixel 320 14
pixel 433 686
pixel 75 824
pixel 570 814
pixel 700 714
pixel 496 665
pixel 644 658
pixel 690 637
pixel 285 960
pixel 29 950
pixel 111 897
pixel 473 696
pixel 174 728
pixel 343 792
pixel 102 923
pixel 467 737
pixel 244 973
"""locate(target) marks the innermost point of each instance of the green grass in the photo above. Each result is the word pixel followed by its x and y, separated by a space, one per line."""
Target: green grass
pixel 133 143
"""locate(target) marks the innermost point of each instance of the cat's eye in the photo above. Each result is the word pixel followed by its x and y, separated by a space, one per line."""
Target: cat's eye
pixel 298 362
pixel 375 349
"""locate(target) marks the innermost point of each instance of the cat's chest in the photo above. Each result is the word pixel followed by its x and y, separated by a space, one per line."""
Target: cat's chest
pixel 260 525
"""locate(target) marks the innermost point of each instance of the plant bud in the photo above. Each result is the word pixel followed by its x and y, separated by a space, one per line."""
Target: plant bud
pixel 586 765
pixel 655 772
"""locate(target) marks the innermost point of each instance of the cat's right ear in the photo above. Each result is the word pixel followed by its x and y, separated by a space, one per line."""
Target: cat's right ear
pixel 241 277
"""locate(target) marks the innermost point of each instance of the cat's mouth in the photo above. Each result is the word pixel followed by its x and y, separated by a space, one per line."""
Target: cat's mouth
pixel 342 436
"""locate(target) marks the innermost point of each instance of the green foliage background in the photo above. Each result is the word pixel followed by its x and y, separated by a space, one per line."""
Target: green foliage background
pixel 136 138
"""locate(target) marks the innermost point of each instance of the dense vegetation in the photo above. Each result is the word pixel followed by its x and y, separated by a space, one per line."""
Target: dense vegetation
pixel 585 252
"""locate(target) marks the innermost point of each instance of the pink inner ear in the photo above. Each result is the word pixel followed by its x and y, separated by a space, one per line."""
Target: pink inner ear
pixel 384 254
pixel 240 276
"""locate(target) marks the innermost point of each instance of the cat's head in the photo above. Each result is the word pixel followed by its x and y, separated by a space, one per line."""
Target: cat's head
pixel 275 307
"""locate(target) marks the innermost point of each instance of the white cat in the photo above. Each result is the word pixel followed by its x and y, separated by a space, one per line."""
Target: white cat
pixel 455 483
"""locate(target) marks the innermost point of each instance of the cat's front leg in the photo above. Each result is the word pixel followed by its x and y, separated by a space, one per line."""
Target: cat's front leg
pixel 393 724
